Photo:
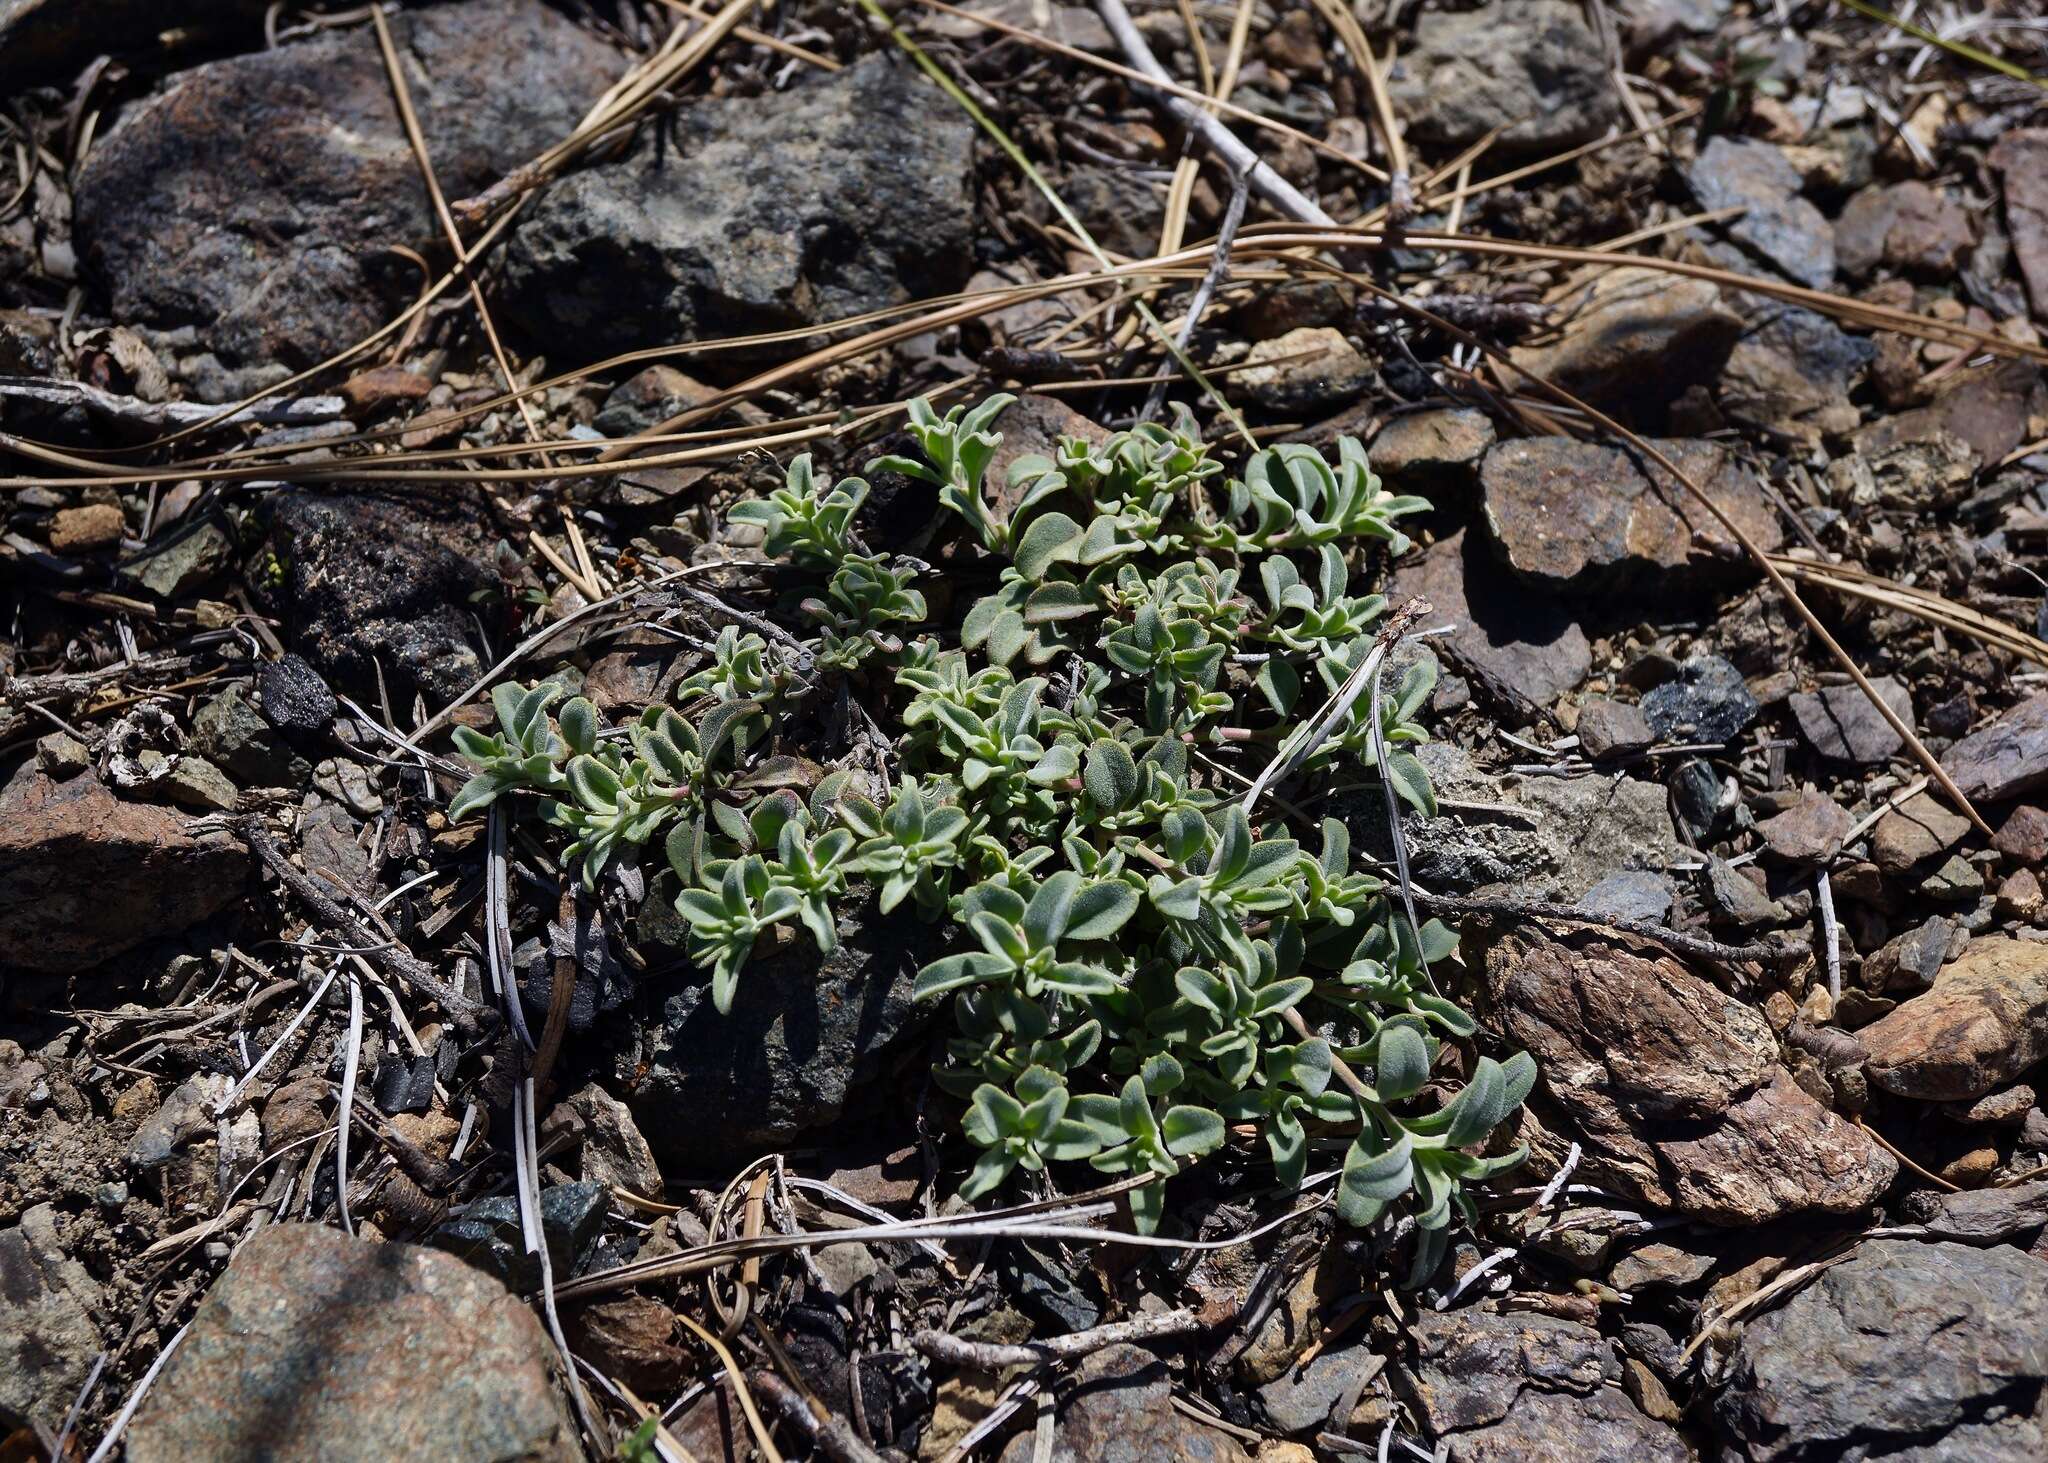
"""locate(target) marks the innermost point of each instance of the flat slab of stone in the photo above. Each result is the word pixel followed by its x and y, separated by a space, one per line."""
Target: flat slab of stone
pixel 314 1347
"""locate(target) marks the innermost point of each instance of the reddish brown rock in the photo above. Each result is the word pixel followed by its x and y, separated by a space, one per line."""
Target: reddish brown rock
pixel 1983 1023
pixel 1610 728
pixel 85 876
pixel 1579 518
pixel 1635 334
pixel 371 392
pixel 2023 836
pixel 1433 449
pixel 1672 1088
pixel 2020 897
pixel 1777 1152
pixel 1808 832
pixel 1523 649
pixel 83 530
pixel 1917 829
pixel 1910 226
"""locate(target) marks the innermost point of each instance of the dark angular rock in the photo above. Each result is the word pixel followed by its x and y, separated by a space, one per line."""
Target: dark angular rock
pixel 1603 1428
pixel 1120 207
pixel 2005 758
pixel 1696 793
pixel 1531 68
pixel 379 582
pixel 1302 1401
pixel 1527 1386
pixel 1522 648
pixel 85 876
pixel 487 1234
pixel 1706 701
pixel 231 733
pixel 1911 961
pixel 294 697
pixel 1580 518
pixel 1980 1216
pixel 1635 338
pixel 1792 371
pixel 847 194
pixel 1840 723
pixel 319 1347
pixel 802 1034
pixel 1891 1349
pixel 1118 1408
pixel 1780 226
pixel 255 198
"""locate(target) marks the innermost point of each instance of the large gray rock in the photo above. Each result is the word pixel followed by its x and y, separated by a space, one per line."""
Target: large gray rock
pixel 313 1347
pixel 256 198
pixel 802 1034
pixel 1494 1387
pixel 842 196
pixel 47 1335
pixel 1531 67
pixel 1673 1089
pixel 85 876
pixel 1888 1352
pixel 1550 837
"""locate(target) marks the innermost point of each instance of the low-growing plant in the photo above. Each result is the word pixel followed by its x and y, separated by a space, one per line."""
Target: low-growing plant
pixel 1138 963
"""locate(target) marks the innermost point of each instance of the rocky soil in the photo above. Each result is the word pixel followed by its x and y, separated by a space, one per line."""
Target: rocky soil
pixel 278 1177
